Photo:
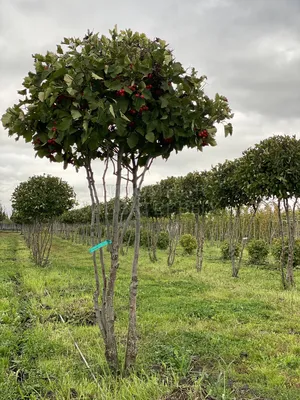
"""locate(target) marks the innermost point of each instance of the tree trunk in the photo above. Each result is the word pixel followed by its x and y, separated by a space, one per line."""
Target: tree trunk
pixel 131 345
pixel 200 231
pixel 291 237
pixel 281 233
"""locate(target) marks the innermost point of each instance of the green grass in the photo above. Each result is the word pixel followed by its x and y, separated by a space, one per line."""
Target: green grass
pixel 199 333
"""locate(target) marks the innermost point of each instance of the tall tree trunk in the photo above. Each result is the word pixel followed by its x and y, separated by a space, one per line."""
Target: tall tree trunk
pixel 244 240
pixel 281 233
pixel 235 219
pixel 200 229
pixel 131 344
pixel 105 314
pixel 291 245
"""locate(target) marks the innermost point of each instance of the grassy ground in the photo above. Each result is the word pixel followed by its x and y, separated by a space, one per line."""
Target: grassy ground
pixel 201 335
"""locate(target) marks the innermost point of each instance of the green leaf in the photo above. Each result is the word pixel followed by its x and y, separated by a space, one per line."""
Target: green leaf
pixel 41 96
pixel 212 131
pixel 111 110
pixel 6 118
pixel 132 140
pixel 164 102
pixel 228 129
pixel 68 79
pixel 150 137
pixel 59 158
pixel 106 68
pixel 65 124
pixel 85 125
pixel 168 59
pixel 124 117
pixel 97 77
pixel 59 49
pixel 48 91
pixel 22 92
pixel 75 114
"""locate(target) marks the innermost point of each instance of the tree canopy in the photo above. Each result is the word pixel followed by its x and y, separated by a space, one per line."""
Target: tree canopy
pixel 100 94
pixel 41 198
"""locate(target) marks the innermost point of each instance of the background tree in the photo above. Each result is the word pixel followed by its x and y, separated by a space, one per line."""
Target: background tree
pixel 195 199
pixel 273 172
pixel 228 191
pixel 3 215
pixel 36 203
pixel 126 100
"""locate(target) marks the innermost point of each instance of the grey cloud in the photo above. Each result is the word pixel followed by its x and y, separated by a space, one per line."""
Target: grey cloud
pixel 249 49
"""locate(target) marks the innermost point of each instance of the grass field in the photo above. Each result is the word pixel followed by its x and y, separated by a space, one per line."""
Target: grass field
pixel 202 336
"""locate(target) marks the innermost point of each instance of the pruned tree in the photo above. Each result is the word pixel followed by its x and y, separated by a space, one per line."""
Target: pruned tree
pixel 273 173
pixel 126 100
pixel 36 203
pixel 195 199
pixel 228 190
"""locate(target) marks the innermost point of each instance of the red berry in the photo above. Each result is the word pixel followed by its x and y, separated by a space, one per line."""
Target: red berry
pixel 54 129
pixel 204 144
pixel 132 111
pixel 137 95
pixel 131 124
pixel 149 87
pixel 150 76
pixel 168 140
pixel 121 92
pixel 133 88
pixel 142 96
pixel 203 134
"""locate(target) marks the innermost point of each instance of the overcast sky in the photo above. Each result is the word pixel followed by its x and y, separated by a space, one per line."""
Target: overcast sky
pixel 249 50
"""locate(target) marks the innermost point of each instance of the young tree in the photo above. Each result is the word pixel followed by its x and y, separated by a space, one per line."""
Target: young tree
pixel 126 100
pixel 36 203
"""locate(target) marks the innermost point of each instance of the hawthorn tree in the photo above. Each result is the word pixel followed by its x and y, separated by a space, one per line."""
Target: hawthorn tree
pixel 126 100
pixel 36 203
pixel 273 172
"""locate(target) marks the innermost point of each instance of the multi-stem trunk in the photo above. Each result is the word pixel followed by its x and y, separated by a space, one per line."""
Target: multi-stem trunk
pixel 105 314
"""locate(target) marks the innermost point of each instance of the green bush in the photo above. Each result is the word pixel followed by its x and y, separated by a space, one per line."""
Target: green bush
pixel 225 250
pixel 258 251
pixel 188 242
pixel 276 250
pixel 163 241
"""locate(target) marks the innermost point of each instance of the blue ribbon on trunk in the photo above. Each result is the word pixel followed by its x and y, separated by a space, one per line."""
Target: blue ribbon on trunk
pixel 99 245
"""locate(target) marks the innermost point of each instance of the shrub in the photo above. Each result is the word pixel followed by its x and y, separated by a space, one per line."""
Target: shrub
pixel 163 241
pixel 276 250
pixel 225 250
pixel 258 251
pixel 188 242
